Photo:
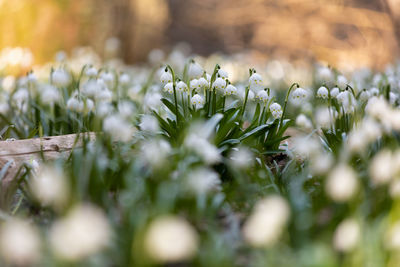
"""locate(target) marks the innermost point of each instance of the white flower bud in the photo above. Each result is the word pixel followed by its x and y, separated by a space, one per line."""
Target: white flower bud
pixel 169 87
pixel 203 83
pixel 223 74
pixel 255 82
pixel 194 84
pixel 230 90
pixel 323 92
pixel 166 77
pixel 262 95
pixel 219 84
pixel 276 110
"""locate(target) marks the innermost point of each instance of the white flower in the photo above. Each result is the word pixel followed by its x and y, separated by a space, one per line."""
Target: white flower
pixel 342 81
pixel 170 239
pixel 50 187
pixel 299 93
pixel 152 101
pixel 393 98
pixel 325 74
pixel 347 235
pixel 60 78
pixel 197 100
pixel 365 95
pixel 202 180
pixel 169 87
pixel 219 84
pixel 241 157
pixel 124 79
pixel 223 74
pixel 83 232
pixel 334 92
pixel 155 152
pixel 194 84
pixel 50 95
pixel 166 77
pixel 265 225
pixel 255 82
pixel 118 128
pixel 91 88
pixel 75 105
pixel 91 72
pixel 342 183
pixel 202 83
pixel 276 110
pixel 262 95
pixel 374 91
pixel 230 90
pixel 321 163
pixel 181 86
pixel 195 70
pixel 208 152
pixel 108 78
pixel 126 109
pixel 19 243
pixel 381 168
pixel 149 123
pixel 323 92
pixel 303 122
pixel 103 109
pixel 305 146
pixel 323 117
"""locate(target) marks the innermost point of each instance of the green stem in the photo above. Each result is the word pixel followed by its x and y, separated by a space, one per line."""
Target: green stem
pixel 285 104
pixel 244 105
pixel 174 86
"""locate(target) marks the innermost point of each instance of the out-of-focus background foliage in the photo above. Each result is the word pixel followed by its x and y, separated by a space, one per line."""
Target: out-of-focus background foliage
pixel 345 34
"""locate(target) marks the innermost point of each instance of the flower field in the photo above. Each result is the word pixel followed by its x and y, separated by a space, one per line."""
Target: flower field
pixel 191 161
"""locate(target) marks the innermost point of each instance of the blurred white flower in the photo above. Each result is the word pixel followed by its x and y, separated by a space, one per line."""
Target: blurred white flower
pixel 305 146
pixel 155 152
pixel 267 221
pixel 276 110
pixel 364 95
pixel 299 94
pixel 50 95
pixel 152 101
pixel 149 123
pixel 303 122
pixel 200 145
pixel 197 101
pixel 75 105
pixel 382 167
pixel 50 187
pixel 219 84
pixel 126 109
pixel 181 87
pixel 108 78
pixel 169 87
pixel 392 237
pixel 195 70
pixel 334 92
pixel 170 239
pixel 202 180
pixel 84 231
pixel 60 78
pixel 256 82
pixel 223 74
pixel 118 128
pixel 124 79
pixel 324 74
pixel 194 84
pixel 323 92
pixel 347 235
pixel 230 90
pixel 321 163
pixel 19 243
pixel 341 184
pixel 262 95
pixel 323 117
pixel 166 77
pixel 342 81
pixel 91 72
pixel 241 157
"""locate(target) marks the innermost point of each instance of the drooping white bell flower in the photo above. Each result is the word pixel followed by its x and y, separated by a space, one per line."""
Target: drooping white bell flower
pixel 169 87
pixel 263 96
pixel 166 77
pixel 60 78
pixel 335 91
pixel 219 84
pixel 195 70
pixel 323 92
pixel 255 82
pixel 230 90
pixel 197 100
pixel 223 74
pixel 181 86
pixel 202 83
pixel 276 110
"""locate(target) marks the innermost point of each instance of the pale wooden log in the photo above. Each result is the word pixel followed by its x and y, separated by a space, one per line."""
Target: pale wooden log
pixel 17 152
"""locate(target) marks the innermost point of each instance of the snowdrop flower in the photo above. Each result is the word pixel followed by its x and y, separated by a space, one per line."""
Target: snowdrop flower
pixel 262 95
pixel 166 77
pixel 255 82
pixel 152 101
pixel 195 70
pixel 197 101
pixel 19 243
pixel 75 105
pixel 83 232
pixel 149 123
pixel 50 95
pixel 202 180
pixel 267 221
pixel 60 78
pixel 208 152
pixel 91 72
pixel 335 91
pixel 374 91
pixel 324 74
pixel 50 187
pixel 230 90
pixel 223 74
pixel 381 168
pixel 342 183
pixel 108 78
pixel 219 84
pixel 342 81
pixel 323 92
pixel 169 87
pixel 365 95
pixel 104 95
pixel 299 93
pixel 124 79
pixel 21 96
pixel 347 235
pixel 170 239
pixel 126 108
pixel 393 98
pixel 155 152
pixel 303 122
pixel 91 88
pixel 321 163
pixel 118 128
pixel 103 109
pixel 378 108
pixel 324 117
pixel 181 86
pixel 202 83
pixel 194 84
pixel 241 157
pixel 276 110
pixel 305 146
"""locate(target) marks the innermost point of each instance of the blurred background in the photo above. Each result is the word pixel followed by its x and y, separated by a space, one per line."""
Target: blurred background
pixel 345 34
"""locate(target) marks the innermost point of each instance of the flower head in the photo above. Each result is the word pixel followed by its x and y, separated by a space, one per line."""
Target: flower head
pixel 276 110
pixel 323 92
pixel 230 90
